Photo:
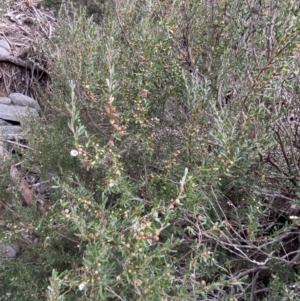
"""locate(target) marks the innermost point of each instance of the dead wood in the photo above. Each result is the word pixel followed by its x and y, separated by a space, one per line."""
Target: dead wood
pixel 20 63
pixel 20 182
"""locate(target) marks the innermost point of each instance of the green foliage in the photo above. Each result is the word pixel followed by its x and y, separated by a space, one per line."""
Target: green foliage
pixel 163 191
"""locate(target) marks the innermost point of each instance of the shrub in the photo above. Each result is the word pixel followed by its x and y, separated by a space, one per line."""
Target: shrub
pixel 175 191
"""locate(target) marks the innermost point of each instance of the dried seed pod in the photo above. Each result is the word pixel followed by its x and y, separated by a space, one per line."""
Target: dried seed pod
pixel 114 115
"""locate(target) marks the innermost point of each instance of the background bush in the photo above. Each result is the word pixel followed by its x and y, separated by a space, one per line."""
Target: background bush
pixel 174 194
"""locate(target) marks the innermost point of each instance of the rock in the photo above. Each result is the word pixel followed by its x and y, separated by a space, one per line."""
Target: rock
pixel 5 100
pixel 9 251
pixel 5 45
pixel 3 51
pixel 15 113
pixel 24 101
pixel 11 132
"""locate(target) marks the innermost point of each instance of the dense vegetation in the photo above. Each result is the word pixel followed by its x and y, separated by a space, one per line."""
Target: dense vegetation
pixel 183 180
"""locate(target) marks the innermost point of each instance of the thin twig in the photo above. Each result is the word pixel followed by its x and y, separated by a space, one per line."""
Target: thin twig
pixel 121 26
